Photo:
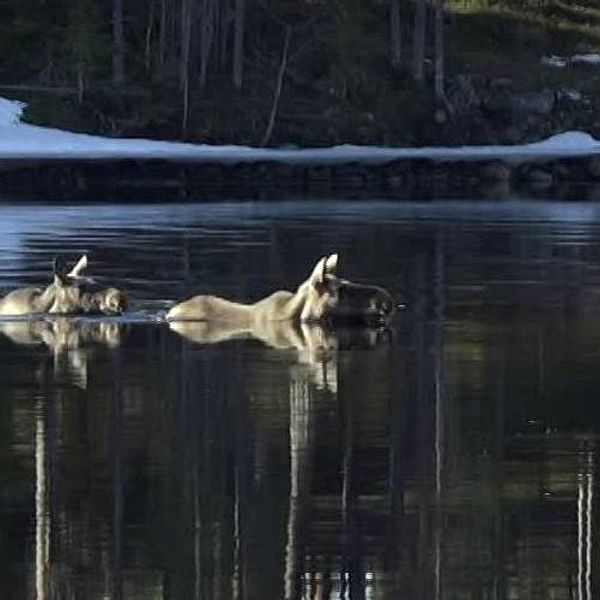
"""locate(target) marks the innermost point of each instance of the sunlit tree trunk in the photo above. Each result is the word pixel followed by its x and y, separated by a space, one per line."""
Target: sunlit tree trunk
pixel 438 81
pixel 118 43
pixel 278 87
pixel 419 41
pixel 395 34
pixel 238 43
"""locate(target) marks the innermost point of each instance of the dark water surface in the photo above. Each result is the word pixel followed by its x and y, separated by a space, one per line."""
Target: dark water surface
pixel 453 456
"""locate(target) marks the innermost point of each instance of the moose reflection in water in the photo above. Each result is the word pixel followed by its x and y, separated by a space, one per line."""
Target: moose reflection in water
pixel 204 493
pixel 313 344
pixel 294 373
pixel 230 470
pixel 322 297
pixel 69 340
pixel 456 458
pixel 69 293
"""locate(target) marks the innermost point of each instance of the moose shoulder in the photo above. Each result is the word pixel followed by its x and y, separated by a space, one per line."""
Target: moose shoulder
pixel 34 300
pixel 323 297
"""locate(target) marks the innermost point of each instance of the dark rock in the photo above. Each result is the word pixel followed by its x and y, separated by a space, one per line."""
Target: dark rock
pixel 495 190
pixel 559 169
pixel 318 174
pixel 512 135
pixel 540 103
pixel 573 169
pixel 540 178
pixel 592 193
pixel 594 167
pixel 496 171
pixel 395 182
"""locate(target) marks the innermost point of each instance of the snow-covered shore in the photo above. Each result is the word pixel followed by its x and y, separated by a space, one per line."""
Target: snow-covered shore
pixel 19 140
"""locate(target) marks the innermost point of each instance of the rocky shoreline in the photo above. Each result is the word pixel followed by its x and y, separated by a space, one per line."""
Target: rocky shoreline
pixel 410 178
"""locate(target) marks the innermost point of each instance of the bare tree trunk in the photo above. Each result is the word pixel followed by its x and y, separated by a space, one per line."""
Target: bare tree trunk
pixel 278 86
pixel 184 60
pixel 419 41
pixel 395 34
pixel 148 37
pixel 118 43
pixel 80 83
pixel 48 51
pixel 162 35
pixel 238 43
pixel 185 92
pixel 223 23
pixel 438 81
pixel 206 39
pixel 185 33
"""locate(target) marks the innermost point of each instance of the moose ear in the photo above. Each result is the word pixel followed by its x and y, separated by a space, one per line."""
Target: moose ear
pixel 331 264
pixel 326 266
pixel 78 269
pixel 319 271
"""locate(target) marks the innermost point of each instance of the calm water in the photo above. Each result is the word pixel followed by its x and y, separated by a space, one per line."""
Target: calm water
pixel 453 456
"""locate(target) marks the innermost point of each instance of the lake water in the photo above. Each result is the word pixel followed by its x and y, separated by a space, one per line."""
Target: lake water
pixel 451 456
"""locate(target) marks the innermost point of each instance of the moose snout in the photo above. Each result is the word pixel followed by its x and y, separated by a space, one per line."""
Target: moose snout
pixel 383 305
pixel 115 302
pixel 119 303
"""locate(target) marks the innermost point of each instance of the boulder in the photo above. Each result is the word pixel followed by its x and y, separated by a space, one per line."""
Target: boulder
pixel 538 103
pixel 496 171
pixel 592 193
pixel 594 167
pixel 540 178
pixel 511 135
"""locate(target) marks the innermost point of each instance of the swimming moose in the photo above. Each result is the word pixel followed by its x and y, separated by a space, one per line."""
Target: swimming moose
pixel 322 298
pixel 69 293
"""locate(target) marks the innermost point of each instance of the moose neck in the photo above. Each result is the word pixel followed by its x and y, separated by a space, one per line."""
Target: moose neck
pixel 280 306
pixel 45 299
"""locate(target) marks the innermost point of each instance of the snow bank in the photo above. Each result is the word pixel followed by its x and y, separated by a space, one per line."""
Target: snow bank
pixel 20 140
pixel 10 112
pixel 554 61
pixel 569 140
pixel 560 62
pixel 591 58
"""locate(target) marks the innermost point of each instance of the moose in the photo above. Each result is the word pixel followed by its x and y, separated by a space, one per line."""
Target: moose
pixel 69 293
pixel 322 298
pixel 71 341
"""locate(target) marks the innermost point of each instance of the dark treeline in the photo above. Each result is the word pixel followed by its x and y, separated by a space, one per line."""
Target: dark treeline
pixel 264 72
pixel 217 69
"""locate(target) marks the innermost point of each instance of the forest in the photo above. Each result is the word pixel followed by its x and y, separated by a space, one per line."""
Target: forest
pixel 305 72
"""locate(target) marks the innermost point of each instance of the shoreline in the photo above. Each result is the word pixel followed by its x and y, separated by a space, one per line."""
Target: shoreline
pixel 149 179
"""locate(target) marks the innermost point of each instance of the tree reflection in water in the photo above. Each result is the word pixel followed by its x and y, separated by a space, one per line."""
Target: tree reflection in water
pixel 301 468
pixel 454 456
